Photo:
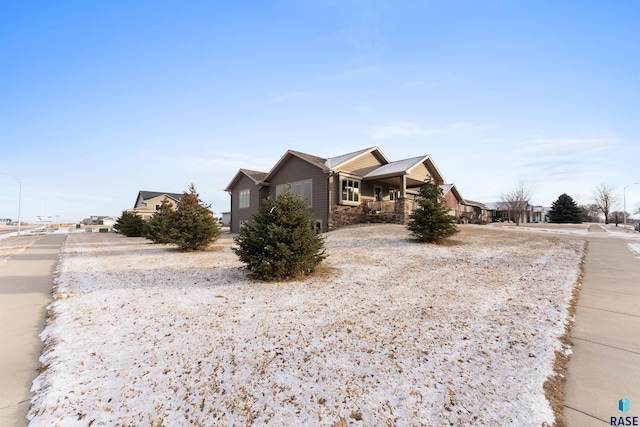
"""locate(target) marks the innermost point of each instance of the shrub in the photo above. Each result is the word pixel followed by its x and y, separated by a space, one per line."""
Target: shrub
pixel 431 221
pixel 129 224
pixel 192 225
pixel 280 242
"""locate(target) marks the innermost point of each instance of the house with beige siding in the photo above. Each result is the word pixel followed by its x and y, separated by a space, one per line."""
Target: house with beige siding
pixel 148 202
pixel 362 186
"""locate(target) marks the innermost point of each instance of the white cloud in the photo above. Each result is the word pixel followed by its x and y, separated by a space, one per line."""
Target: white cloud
pixel 226 162
pixel 407 128
pixel 401 128
pixel 567 146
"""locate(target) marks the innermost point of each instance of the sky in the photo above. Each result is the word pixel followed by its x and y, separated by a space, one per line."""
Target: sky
pixel 102 99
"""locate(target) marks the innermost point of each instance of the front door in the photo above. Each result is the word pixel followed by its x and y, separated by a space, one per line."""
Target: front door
pixel 378 193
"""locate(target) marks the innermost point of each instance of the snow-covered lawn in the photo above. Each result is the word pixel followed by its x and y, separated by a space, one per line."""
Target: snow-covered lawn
pixel 12 245
pixel 390 332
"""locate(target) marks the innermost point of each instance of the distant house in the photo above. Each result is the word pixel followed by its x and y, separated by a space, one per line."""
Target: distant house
pixel 453 200
pixel 226 219
pixel 109 220
pixel 100 220
pixel 477 212
pixel 499 212
pixel 148 202
pixel 362 186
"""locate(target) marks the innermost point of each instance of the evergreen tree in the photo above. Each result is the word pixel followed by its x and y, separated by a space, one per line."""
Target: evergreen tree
pixel 158 228
pixel 565 210
pixel 129 224
pixel 280 241
pixel 431 221
pixel 193 226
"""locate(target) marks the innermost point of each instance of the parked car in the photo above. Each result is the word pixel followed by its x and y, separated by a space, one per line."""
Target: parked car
pixel 636 224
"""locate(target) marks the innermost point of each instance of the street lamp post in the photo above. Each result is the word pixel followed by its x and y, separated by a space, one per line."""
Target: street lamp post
pixel 624 201
pixel 19 196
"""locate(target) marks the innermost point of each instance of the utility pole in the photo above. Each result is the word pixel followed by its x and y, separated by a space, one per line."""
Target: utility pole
pixel 624 198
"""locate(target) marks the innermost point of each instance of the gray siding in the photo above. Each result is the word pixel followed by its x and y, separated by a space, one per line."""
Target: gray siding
pixel 238 214
pixel 296 169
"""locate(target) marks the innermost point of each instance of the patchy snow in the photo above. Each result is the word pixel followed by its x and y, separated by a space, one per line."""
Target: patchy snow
pixel 389 332
pixel 12 245
pixel 635 249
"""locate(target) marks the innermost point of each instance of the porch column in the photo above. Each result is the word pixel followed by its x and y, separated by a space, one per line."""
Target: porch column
pixel 403 185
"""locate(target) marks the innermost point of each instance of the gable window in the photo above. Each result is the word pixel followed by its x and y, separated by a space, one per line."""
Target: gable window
pixel 299 188
pixel 350 191
pixel 244 198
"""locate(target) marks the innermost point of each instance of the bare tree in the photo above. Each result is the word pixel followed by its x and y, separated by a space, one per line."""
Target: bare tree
pixel 516 201
pixel 590 212
pixel 605 199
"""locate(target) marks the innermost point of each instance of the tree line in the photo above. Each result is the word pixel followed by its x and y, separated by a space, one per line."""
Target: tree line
pixel 565 209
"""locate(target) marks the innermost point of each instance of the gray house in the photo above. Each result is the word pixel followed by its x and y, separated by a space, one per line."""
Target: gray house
pixel 363 186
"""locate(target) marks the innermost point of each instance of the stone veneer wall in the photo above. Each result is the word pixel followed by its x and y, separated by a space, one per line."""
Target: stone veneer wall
pixel 341 216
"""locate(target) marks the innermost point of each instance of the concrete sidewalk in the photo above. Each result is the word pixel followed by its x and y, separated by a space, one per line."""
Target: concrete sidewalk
pixel 605 364
pixel 25 291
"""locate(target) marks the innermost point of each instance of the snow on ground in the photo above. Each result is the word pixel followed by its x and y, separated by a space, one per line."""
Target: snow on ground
pixel 12 245
pixel 635 249
pixel 628 235
pixel 390 332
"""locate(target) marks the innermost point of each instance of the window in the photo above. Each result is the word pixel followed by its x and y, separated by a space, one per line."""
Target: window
pixel 299 188
pixel 244 198
pixel 350 190
pixel 393 194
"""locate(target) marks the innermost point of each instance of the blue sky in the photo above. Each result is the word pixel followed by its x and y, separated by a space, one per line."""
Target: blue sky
pixel 102 99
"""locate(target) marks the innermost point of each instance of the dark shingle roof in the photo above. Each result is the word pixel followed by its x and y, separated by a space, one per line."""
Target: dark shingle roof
pixel 146 195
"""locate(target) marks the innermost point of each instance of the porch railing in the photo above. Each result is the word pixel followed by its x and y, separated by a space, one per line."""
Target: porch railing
pixel 382 206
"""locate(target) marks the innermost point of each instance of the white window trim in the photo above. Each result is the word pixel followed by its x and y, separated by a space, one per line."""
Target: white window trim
pixel 358 193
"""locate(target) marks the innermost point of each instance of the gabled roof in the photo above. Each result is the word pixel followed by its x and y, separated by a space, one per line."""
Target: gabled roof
pixel 314 160
pixel 146 195
pixel 452 187
pixel 336 162
pixel 256 176
pixel 403 167
pixel 474 203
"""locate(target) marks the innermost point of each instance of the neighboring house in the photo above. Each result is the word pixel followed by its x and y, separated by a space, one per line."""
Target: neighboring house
pixel 109 221
pixel 454 201
pixel 479 213
pixel 148 202
pixel 94 220
pixel 226 219
pixel 498 212
pixel 357 187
